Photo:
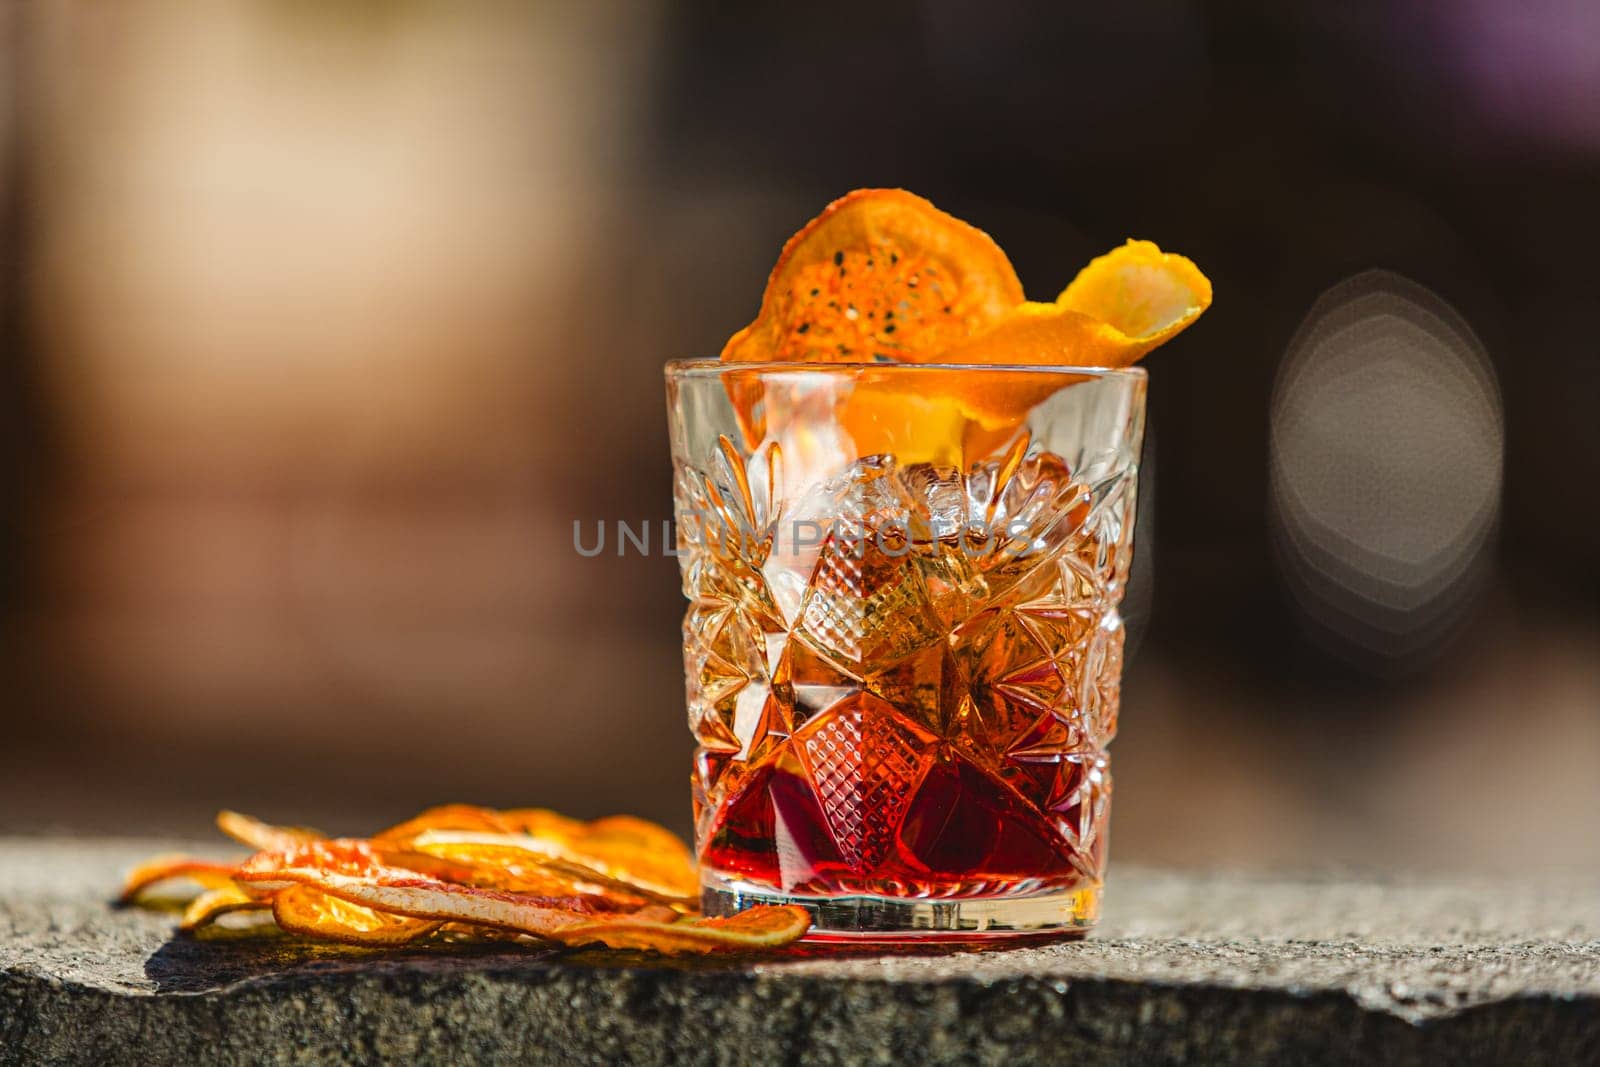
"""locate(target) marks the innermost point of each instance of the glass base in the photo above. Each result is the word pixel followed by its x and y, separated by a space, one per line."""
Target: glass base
pixel 1062 914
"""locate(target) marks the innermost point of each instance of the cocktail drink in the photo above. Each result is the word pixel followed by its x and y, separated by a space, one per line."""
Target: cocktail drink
pixel 903 672
pixel 903 649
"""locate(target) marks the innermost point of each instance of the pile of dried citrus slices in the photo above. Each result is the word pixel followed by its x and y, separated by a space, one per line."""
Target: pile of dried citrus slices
pixel 884 277
pixel 459 873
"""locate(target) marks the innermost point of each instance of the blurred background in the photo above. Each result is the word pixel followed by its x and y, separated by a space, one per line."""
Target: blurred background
pixel 322 323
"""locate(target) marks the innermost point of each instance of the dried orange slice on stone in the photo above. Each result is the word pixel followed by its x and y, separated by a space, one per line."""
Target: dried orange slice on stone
pixel 249 830
pixel 466 817
pixel 754 928
pixel 619 851
pixel 404 893
pixel 213 904
pixel 880 276
pixel 518 870
pixel 463 872
pixel 302 909
pixel 208 874
pixel 665 876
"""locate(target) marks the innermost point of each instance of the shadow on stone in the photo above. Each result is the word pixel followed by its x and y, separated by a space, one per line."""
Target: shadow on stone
pixel 186 964
pixel 223 957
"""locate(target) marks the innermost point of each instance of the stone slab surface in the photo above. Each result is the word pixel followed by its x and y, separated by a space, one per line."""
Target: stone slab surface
pixel 1185 968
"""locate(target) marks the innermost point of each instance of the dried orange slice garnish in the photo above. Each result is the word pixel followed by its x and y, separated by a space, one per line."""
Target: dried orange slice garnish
pixel 881 275
pixel 830 299
pixel 1145 294
pixel 1118 308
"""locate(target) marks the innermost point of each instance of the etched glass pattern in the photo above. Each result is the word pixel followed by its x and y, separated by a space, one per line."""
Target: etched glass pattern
pixel 902 676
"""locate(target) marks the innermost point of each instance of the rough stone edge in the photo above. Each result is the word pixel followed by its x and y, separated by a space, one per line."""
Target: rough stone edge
pixel 635 1016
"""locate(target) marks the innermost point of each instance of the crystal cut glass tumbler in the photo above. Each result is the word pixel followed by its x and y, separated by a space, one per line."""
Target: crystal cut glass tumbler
pixel 902 648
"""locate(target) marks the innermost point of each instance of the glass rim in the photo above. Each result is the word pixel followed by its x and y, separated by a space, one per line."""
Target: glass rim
pixel 706 367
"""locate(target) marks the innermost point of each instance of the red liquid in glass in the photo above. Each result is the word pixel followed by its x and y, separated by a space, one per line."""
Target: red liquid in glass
pixel 927 722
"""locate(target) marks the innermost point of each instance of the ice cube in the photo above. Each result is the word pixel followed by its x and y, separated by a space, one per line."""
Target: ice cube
pixel 865 500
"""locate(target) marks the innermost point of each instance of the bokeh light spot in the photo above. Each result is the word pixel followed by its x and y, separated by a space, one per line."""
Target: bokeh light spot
pixel 1385 468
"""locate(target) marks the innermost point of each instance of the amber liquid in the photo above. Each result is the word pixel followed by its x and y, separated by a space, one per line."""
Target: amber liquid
pixel 927 717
